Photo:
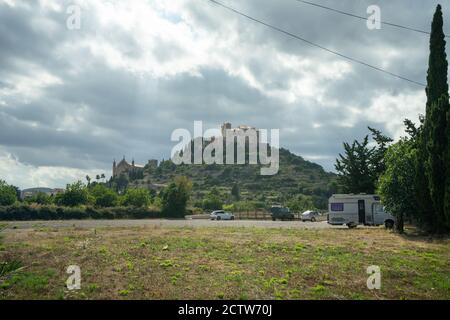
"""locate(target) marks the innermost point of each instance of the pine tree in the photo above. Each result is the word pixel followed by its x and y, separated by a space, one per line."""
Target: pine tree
pixel 433 136
pixel 383 142
pixel 355 167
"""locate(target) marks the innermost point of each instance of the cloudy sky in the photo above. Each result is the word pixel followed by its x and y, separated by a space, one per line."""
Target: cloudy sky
pixel 73 100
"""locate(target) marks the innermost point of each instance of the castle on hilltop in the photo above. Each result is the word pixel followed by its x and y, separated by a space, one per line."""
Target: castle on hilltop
pixel 242 128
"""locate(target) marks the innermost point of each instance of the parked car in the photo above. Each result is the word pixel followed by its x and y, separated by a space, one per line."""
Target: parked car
pixel 221 215
pixel 310 215
pixel 281 213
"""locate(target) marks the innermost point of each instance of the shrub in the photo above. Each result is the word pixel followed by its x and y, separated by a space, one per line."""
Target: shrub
pixel 76 194
pixel 103 196
pixel 8 194
pixel 174 198
pixel 39 198
pixel 137 197
pixel 24 212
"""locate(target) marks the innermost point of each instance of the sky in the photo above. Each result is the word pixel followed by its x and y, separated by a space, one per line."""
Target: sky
pixel 73 99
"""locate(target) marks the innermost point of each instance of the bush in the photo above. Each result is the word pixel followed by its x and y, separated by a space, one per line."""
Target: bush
pixel 212 203
pixel 76 194
pixel 103 196
pixel 39 198
pixel 137 197
pixel 175 197
pixel 8 194
pixel 24 212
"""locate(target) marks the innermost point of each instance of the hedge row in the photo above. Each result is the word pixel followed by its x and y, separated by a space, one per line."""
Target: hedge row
pixel 32 212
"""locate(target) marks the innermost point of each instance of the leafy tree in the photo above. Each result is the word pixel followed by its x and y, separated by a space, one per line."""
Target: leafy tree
pixel 122 182
pixel 333 188
pixel 8 194
pixel 301 203
pixel 212 200
pixel 236 192
pixel 40 198
pixel 397 188
pixel 103 196
pixel 175 197
pixel 137 197
pixel 88 179
pixel 75 194
pixel 244 206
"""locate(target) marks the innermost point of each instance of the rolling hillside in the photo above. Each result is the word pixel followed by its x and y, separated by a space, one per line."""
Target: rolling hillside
pixel 297 178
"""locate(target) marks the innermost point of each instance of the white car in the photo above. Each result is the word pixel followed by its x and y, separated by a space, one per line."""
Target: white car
pixel 310 215
pixel 221 215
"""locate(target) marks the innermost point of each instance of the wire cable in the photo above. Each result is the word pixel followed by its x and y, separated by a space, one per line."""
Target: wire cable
pixel 317 45
pixel 364 18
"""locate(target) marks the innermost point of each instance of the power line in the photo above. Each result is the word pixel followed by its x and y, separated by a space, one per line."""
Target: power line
pixel 364 18
pixel 316 45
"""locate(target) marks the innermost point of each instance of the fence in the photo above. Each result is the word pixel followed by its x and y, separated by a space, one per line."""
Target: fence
pixel 252 215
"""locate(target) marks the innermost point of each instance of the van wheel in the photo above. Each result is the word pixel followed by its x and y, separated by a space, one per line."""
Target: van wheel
pixel 313 219
pixel 351 225
pixel 389 224
pixel 273 219
pixel 219 218
pixel 232 218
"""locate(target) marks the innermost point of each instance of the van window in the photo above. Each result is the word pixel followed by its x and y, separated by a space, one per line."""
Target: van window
pixel 379 209
pixel 337 207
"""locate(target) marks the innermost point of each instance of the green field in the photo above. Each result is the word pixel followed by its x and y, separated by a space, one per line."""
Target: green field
pixel 223 263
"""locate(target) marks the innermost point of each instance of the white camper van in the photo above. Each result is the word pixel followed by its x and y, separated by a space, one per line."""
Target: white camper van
pixel 354 209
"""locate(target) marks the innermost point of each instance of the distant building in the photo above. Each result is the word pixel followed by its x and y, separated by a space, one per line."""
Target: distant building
pixel 28 193
pixel 131 169
pixel 240 129
pixel 124 167
pixel 152 164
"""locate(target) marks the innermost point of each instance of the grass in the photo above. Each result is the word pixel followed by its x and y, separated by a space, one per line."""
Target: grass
pixel 224 263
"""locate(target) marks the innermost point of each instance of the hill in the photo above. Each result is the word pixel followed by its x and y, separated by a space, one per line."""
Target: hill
pixel 299 183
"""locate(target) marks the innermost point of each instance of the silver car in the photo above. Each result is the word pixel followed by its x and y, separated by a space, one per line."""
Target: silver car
pixel 310 215
pixel 221 215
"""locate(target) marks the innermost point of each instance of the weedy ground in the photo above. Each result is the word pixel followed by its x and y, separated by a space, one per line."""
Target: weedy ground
pixel 223 263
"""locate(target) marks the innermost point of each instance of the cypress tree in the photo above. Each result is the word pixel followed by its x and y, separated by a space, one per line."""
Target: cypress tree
pixel 447 173
pixel 433 136
pixel 425 213
pixel 436 166
pixel 437 64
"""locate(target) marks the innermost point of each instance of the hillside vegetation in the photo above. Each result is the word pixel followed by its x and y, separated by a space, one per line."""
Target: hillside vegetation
pixel 298 181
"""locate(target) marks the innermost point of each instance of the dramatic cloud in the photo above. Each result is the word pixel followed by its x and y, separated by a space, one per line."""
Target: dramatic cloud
pixel 73 100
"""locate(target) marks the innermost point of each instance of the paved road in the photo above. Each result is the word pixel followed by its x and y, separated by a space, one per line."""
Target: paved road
pixel 88 224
